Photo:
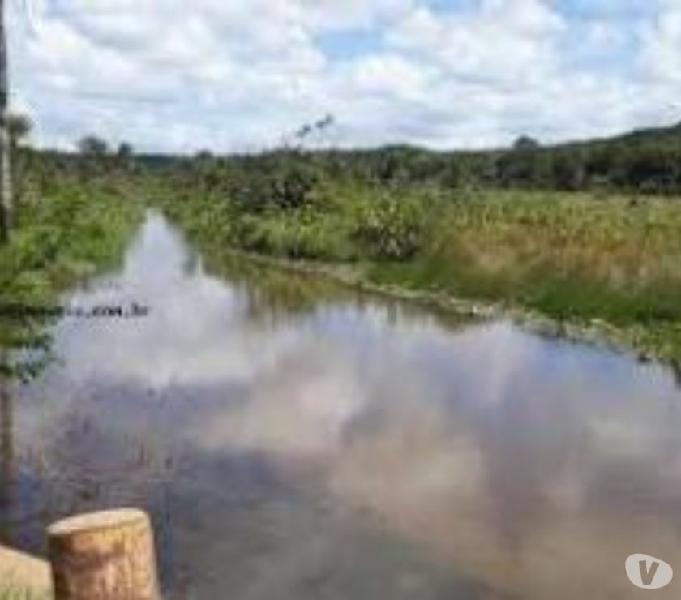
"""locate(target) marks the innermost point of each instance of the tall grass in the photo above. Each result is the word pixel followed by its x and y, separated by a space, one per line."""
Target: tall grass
pixel 571 256
pixel 63 237
pixel 567 255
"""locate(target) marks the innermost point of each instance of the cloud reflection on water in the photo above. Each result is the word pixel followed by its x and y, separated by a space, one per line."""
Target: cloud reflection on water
pixel 528 465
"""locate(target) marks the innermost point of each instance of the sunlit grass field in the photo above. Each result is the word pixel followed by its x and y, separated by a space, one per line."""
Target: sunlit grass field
pixel 581 257
pixel 566 254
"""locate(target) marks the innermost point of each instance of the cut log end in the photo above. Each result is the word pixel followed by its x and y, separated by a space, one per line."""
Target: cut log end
pixel 108 519
pixel 104 556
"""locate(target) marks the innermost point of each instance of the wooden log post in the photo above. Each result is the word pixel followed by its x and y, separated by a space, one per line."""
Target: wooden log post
pixel 104 556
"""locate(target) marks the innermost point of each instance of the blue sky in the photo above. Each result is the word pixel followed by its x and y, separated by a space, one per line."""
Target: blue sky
pixel 239 75
pixel 351 44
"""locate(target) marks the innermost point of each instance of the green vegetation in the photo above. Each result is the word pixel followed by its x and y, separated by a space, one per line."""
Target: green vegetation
pixel 64 237
pixel 562 255
pixel 584 233
pixel 580 258
pixel 642 162
pixel 65 231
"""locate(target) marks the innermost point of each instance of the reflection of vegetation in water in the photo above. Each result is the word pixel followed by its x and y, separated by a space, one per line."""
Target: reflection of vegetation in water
pixel 82 464
pixel 6 456
pixel 273 293
pixel 91 465
pixel 31 345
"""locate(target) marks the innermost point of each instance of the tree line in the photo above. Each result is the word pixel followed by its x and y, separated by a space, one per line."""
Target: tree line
pixel 645 162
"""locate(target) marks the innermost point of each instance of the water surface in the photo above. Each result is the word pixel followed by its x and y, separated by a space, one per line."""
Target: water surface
pixel 294 440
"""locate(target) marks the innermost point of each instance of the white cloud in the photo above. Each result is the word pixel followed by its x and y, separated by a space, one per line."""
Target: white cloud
pixel 499 45
pixel 350 14
pixel 661 54
pixel 391 75
pixel 226 74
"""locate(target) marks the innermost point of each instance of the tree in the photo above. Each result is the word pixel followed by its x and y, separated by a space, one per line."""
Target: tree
pixel 93 157
pixel 18 127
pixel 124 155
pixel 204 156
pixel 125 151
pixel 93 146
pixel 6 204
pixel 525 142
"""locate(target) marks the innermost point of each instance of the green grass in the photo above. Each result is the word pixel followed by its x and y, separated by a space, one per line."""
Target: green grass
pixel 567 256
pixel 60 239
pixel 64 237
pixel 573 257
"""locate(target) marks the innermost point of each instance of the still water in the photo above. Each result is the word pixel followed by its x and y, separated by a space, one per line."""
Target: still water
pixel 293 440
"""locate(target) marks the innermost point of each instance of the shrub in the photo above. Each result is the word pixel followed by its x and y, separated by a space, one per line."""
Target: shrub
pixel 391 227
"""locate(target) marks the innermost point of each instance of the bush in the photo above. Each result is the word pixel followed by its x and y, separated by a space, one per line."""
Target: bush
pixel 391 227
pixel 282 180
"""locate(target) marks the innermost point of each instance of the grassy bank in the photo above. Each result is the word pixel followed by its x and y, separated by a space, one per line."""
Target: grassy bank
pixel 569 257
pixel 582 260
pixel 64 236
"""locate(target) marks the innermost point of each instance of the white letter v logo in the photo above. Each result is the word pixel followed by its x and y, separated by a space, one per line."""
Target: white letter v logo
pixel 647 572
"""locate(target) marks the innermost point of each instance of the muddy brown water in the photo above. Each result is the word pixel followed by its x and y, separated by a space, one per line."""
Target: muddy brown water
pixel 297 440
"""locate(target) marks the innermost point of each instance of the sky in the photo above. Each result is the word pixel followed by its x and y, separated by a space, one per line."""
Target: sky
pixel 241 75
